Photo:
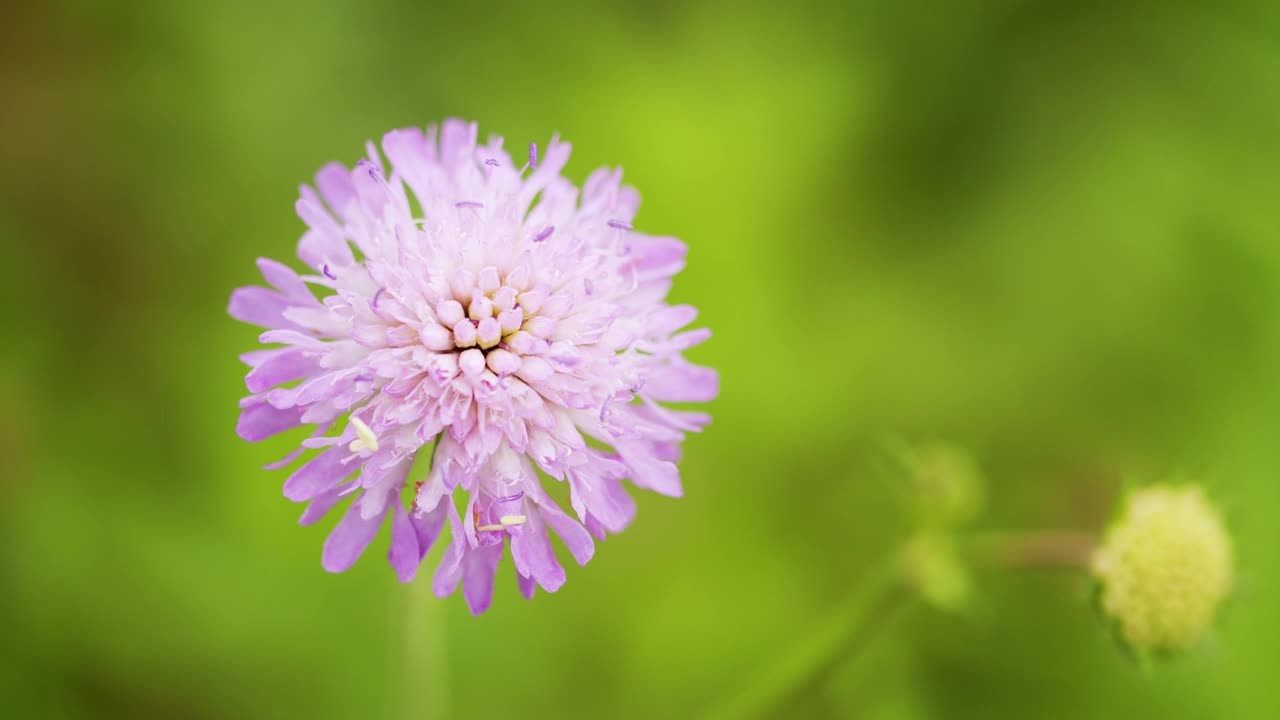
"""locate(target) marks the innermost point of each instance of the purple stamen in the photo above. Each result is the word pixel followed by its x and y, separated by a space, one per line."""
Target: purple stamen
pixel 546 233
pixel 376 296
pixel 468 204
pixel 589 286
pixel 511 498
pixel 366 377
pixel 533 155
pixel 619 225
pixel 326 272
pixel 491 162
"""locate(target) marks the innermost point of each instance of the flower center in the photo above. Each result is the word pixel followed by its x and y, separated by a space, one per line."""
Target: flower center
pixel 494 320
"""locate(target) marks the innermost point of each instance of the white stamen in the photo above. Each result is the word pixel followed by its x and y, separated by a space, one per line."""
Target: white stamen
pixel 365 437
pixel 509 520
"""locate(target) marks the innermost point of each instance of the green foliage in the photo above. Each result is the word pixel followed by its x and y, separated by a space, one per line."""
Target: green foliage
pixel 1045 230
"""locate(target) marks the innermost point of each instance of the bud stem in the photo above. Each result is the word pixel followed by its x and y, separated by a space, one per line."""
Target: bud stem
pixel 821 648
pixel 1043 550
pixel 807 662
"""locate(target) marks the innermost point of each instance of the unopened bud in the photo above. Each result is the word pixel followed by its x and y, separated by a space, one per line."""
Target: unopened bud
pixel 1164 567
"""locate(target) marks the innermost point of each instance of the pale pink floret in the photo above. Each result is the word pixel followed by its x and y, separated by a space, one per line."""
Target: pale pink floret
pixel 495 311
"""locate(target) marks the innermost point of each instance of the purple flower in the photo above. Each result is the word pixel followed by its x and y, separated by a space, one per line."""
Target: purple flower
pixel 503 330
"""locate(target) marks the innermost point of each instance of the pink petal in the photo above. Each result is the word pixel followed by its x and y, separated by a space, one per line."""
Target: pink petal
pixel 349 539
pixel 531 550
pixel 681 381
pixel 260 306
pixel 404 554
pixel 259 420
pixel 480 567
pixel 281 366
pixel 319 475
pixel 334 183
pixel 321 505
pixel 427 526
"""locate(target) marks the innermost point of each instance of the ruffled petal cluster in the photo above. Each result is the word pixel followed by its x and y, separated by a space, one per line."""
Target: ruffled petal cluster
pixel 493 317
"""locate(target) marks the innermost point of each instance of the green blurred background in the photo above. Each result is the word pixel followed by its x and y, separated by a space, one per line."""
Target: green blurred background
pixel 1044 231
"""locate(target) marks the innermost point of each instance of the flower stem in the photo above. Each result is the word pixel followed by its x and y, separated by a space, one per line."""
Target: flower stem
pixel 425 681
pixel 1033 550
pixel 811 659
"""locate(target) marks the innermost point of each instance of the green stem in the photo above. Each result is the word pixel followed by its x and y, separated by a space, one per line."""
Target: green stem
pixel 1039 550
pixel 425 682
pixel 807 662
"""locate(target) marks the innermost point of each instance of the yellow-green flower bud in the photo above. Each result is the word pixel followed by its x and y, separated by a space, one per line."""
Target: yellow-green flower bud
pixel 1164 568
pixel 932 565
pixel 948 485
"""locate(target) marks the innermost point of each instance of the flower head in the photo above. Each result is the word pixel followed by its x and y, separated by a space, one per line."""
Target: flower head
pixel 493 311
pixel 1164 568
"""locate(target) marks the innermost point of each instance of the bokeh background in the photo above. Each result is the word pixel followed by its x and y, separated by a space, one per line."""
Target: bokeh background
pixel 1045 231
